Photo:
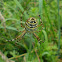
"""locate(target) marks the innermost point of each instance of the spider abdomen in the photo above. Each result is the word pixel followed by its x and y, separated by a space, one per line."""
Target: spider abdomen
pixel 31 24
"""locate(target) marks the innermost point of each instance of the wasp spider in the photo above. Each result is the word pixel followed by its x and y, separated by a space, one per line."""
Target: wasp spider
pixel 31 26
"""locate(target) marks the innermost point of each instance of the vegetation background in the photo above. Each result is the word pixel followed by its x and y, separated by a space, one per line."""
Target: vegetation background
pixel 24 50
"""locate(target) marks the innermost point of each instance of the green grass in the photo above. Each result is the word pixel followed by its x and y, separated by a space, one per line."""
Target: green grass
pixel 24 51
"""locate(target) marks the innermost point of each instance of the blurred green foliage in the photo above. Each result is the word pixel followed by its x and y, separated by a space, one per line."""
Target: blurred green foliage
pixel 1 60
pixel 12 11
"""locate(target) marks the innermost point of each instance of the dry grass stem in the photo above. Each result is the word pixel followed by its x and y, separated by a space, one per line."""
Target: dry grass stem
pixel 3 21
pixel 5 58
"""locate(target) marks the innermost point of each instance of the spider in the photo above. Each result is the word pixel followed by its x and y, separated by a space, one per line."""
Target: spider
pixel 31 26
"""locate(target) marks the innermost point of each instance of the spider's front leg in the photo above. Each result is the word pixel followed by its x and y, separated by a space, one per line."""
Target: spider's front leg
pixel 21 22
pixel 40 24
pixel 20 36
pixel 37 37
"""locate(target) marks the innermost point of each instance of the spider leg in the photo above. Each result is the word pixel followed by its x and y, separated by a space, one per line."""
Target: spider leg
pixel 41 29
pixel 40 24
pixel 18 30
pixel 21 22
pixel 37 37
pixel 21 19
pixel 20 36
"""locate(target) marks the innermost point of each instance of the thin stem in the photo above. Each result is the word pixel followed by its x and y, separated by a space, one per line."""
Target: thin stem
pixel 58 28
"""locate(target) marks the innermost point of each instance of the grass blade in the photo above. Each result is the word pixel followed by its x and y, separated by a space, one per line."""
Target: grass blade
pixel 58 28
pixel 40 7
pixel 22 9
